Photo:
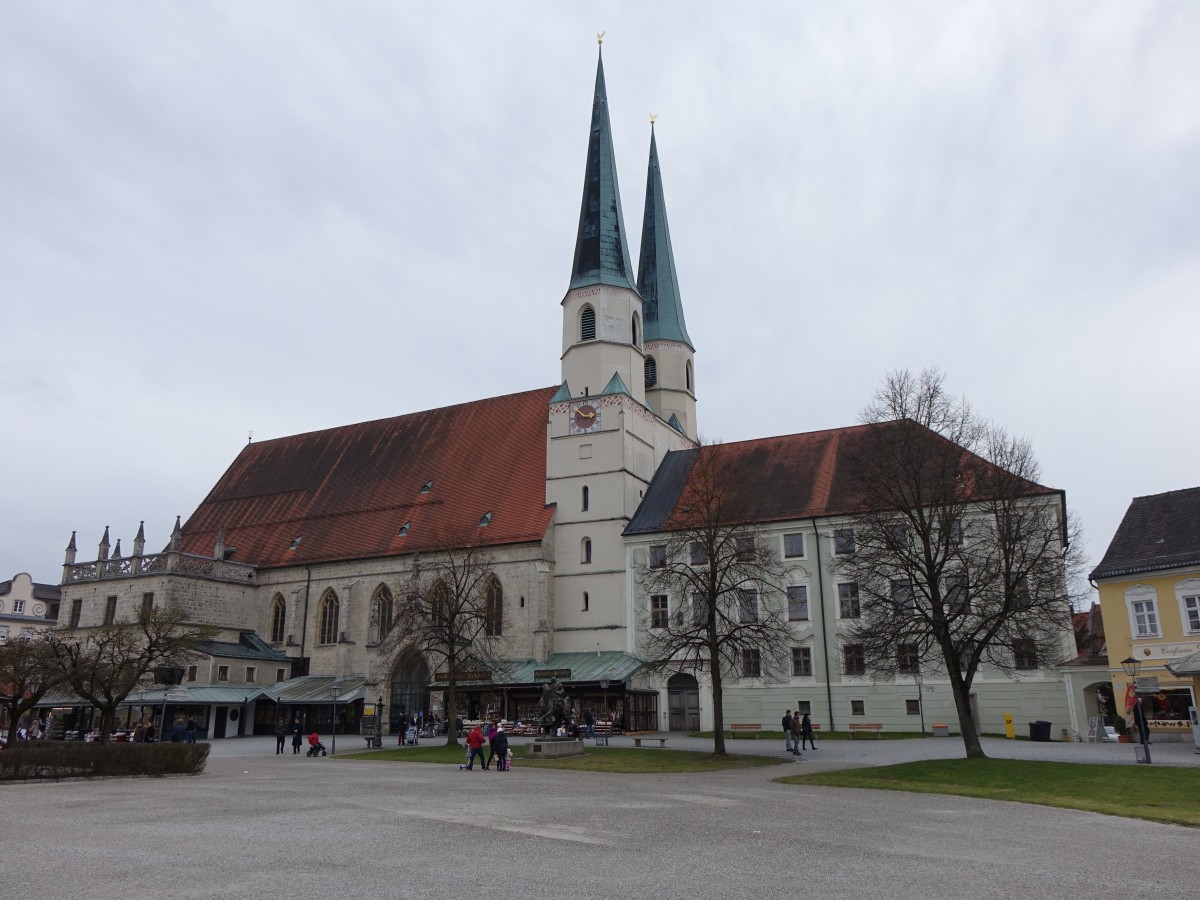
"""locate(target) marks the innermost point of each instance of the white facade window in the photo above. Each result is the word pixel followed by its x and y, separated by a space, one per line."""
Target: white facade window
pixel 658 556
pixel 1188 593
pixel 848 606
pixel 797 603
pixel 793 546
pixel 843 541
pixel 251 674
pixel 18 606
pixel 222 673
pixel 802 661
pixel 3 633
pixel 1143 611
pixel 658 611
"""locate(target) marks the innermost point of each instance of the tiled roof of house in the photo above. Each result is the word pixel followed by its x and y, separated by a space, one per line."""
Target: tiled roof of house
pixel 347 493
pixel 1161 531
pixel 778 479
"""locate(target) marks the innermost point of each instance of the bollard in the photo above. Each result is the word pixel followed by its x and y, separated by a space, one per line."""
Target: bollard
pixel 1008 726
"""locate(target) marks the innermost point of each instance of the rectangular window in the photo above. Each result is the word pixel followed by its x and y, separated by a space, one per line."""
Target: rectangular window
pixel 797 603
pixel 1191 607
pixel 1010 526
pixel 27 633
pixel 912 707
pixel 958 601
pixel 222 673
pixel 745 549
pixel 699 554
pixel 3 633
pixel 898 536
pixel 751 663
pixel 110 610
pixel 854 660
pixel 802 661
pixel 747 606
pixel 658 611
pixel 280 675
pixel 191 675
pixel 804 707
pixel 1145 618
pixel 251 674
pixel 848 600
pixel 858 707
pixel 793 546
pixel 907 660
pixel 19 606
pixel 1019 591
pixel 843 541
pixel 147 602
pixel 965 651
pixel 903 601
pixel 954 533
pixel 699 610
pixel 658 556
pixel 1025 654
pixel 76 611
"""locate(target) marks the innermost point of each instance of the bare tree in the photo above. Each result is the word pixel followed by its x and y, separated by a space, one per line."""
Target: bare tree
pixel 730 618
pixel 960 557
pixel 25 676
pixel 450 616
pixel 103 665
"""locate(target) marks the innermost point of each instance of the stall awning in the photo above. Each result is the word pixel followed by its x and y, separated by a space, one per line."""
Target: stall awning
pixel 313 690
pixel 569 668
pixel 1187 667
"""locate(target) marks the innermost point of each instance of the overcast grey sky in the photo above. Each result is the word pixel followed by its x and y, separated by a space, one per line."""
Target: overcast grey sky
pixel 218 218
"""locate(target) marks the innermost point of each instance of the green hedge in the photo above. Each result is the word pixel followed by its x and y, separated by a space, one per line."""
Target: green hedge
pixel 59 759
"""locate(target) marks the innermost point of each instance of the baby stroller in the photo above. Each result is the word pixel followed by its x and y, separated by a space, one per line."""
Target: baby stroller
pixel 410 736
pixel 315 747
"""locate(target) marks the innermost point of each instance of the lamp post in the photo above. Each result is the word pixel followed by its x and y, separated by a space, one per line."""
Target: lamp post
pixel 1131 667
pixel 242 731
pixel 333 695
pixel 920 679
pixel 379 723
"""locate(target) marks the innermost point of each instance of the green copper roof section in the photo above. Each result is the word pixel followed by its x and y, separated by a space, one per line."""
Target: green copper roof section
pixel 601 251
pixel 657 282
pixel 615 386
pixel 562 395
pixel 674 423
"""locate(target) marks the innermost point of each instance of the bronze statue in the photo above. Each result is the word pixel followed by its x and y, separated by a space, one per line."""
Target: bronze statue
pixel 552 708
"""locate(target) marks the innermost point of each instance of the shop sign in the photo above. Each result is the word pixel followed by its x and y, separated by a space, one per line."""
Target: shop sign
pixel 465 675
pixel 547 674
pixel 1146 684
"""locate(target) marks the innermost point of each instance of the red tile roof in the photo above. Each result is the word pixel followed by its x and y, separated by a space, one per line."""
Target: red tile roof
pixel 346 492
pixel 792 476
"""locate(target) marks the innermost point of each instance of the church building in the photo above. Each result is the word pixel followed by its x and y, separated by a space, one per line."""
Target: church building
pixel 298 552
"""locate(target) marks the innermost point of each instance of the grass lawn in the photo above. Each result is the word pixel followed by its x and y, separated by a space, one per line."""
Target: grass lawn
pixel 595 759
pixel 1158 794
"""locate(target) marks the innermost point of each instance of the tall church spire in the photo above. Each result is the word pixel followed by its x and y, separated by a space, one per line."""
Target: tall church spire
pixel 657 282
pixel 601 250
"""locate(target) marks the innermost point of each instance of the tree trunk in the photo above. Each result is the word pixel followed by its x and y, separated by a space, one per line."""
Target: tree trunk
pixel 451 717
pixel 718 705
pixel 966 721
pixel 107 717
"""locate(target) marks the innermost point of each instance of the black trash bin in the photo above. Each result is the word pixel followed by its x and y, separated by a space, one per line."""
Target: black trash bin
pixel 1039 731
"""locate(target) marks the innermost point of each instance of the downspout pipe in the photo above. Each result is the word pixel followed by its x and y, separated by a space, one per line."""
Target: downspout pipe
pixel 824 627
pixel 304 624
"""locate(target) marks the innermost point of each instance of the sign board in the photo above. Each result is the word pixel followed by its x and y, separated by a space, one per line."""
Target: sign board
pixel 176 695
pixel 1095 729
pixel 1146 684
pixel 465 675
pixel 369 710
pixel 547 674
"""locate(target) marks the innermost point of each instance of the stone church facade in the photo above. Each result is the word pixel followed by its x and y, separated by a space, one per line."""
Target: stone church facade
pixel 297 551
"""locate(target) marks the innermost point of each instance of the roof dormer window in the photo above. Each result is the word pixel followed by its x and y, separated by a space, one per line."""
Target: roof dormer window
pixel 427 487
pixel 486 520
pixel 295 544
pixel 404 529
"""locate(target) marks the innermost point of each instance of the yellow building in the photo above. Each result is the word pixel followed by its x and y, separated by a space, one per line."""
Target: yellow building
pixel 1149 583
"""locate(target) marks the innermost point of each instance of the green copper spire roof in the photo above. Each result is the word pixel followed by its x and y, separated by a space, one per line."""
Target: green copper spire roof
pixel 615 386
pixel 601 251
pixel 657 282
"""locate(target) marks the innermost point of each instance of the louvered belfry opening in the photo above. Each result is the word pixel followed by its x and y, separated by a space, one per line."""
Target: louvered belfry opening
pixel 587 324
pixel 651 372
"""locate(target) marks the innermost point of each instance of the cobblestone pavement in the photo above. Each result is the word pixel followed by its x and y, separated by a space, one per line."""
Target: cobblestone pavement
pixel 257 825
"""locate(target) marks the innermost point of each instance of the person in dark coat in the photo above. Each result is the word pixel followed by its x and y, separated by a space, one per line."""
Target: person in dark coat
pixel 297 735
pixel 500 749
pixel 280 735
pixel 789 745
pixel 191 729
pixel 178 732
pixel 806 733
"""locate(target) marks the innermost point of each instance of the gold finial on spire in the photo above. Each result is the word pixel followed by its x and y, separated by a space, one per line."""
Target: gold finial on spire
pixel 653 118
pixel 600 37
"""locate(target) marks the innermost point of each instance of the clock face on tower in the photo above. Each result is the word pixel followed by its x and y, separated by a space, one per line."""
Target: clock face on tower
pixel 585 417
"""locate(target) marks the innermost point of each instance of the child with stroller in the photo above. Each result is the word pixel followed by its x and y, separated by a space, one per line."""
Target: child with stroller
pixel 315 747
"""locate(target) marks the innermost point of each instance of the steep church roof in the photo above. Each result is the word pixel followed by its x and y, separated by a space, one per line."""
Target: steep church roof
pixel 347 493
pixel 657 282
pixel 776 479
pixel 601 250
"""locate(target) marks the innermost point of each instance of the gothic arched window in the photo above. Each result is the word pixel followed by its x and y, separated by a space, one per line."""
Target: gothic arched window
pixel 330 608
pixel 587 550
pixel 687 374
pixel 587 324
pixel 651 372
pixel 494 610
pixel 382 612
pixel 636 339
pixel 586 498
pixel 278 619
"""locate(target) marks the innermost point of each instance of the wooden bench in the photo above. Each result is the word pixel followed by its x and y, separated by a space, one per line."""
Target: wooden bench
pixel 857 728
pixel 637 741
pixel 745 728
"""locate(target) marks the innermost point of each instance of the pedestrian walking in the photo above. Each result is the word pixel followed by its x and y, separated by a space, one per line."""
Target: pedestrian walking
pixel 475 742
pixel 191 729
pixel 491 739
pixel 789 744
pixel 806 732
pixel 500 748
pixel 178 731
pixel 280 735
pixel 796 733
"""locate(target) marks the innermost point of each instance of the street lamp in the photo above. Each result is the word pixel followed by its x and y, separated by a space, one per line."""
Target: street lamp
pixel 379 723
pixel 919 679
pixel 1131 666
pixel 242 731
pixel 333 695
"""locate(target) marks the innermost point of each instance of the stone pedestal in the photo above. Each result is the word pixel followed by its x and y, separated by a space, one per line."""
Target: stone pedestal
pixel 554 747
